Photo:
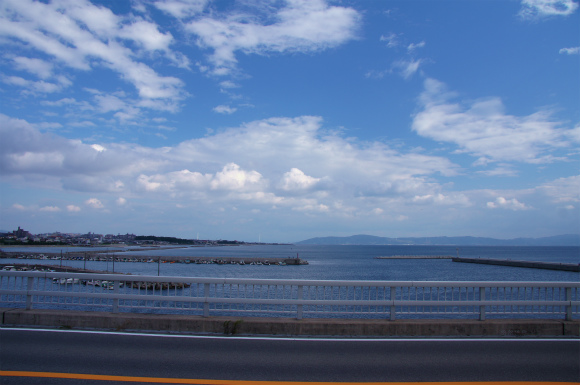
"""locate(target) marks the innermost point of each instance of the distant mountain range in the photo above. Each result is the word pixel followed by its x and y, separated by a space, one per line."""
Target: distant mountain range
pixel 557 240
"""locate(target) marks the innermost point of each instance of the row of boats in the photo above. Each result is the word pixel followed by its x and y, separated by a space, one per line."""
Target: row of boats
pixel 110 285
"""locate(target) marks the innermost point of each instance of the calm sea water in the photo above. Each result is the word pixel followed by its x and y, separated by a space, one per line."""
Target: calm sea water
pixel 347 263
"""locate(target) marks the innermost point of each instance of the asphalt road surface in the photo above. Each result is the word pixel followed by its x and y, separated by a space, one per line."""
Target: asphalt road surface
pixel 25 353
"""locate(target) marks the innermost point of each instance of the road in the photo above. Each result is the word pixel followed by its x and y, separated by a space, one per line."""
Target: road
pixel 231 359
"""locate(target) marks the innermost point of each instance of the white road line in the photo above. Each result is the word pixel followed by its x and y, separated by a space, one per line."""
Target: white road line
pixel 265 338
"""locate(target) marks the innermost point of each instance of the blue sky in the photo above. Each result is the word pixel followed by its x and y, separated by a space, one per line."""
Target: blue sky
pixel 286 120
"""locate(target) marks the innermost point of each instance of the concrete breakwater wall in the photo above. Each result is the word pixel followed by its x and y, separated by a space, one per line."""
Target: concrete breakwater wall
pixel 529 264
pixel 103 257
pixel 415 257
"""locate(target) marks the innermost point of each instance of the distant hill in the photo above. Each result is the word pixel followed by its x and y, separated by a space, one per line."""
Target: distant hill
pixel 557 240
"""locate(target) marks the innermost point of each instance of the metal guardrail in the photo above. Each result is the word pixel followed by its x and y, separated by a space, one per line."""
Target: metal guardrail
pixel 291 298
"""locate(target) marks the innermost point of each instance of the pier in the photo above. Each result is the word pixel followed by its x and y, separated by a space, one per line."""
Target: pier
pixel 513 263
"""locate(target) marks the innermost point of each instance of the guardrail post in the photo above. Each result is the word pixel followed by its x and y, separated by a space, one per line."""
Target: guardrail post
pixel 29 286
pixel 393 308
pixel 482 307
pixel 569 306
pixel 206 303
pixel 299 307
pixel 116 286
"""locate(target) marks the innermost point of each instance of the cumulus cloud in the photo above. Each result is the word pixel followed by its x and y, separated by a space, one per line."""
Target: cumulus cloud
pixel 349 176
pixel 295 179
pixel 509 204
pixel 94 203
pixel 297 26
pixel 73 208
pixel 533 9
pixel 232 177
pixel 483 129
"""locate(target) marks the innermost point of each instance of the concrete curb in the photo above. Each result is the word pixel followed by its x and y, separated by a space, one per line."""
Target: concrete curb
pixel 287 326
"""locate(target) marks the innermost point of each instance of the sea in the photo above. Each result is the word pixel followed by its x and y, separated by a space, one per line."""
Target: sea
pixel 337 262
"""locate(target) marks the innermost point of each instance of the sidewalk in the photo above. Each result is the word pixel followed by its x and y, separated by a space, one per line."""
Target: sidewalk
pixel 287 326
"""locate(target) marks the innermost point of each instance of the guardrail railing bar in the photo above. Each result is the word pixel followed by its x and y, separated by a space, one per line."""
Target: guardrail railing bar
pixel 415 297
pixel 569 307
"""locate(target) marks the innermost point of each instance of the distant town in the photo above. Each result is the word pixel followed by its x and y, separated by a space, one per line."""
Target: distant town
pixel 23 237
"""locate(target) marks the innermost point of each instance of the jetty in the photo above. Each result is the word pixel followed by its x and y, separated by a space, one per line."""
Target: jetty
pixel 122 257
pixel 415 257
pixel 508 262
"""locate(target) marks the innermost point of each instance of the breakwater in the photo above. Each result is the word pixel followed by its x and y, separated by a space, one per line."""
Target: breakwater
pixel 513 263
pixel 105 257
pixel 415 257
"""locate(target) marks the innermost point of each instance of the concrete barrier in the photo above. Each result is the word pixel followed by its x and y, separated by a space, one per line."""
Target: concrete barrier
pixel 528 264
pixel 286 327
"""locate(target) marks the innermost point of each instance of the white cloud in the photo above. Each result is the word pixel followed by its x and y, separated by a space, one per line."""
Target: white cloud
pixel 175 182
pixel 532 9
pixel 81 35
pixel 509 204
pixel 98 148
pixel 40 68
pixel 73 208
pixel 412 47
pixel 39 86
pixel 181 8
pixel 51 209
pixel 232 177
pixel 147 35
pixel 227 84
pixel 407 68
pixel 25 150
pixel 222 109
pixel 121 201
pixel 350 176
pixel 441 199
pixel 298 26
pixel 570 51
pixel 392 40
pixel 295 179
pixel 562 190
pixel 483 129
pixel 94 203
